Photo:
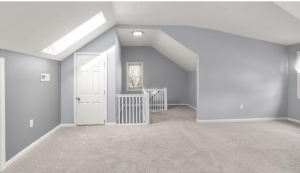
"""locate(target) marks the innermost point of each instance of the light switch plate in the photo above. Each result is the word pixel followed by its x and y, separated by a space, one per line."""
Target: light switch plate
pixel 31 123
pixel 241 106
pixel 45 77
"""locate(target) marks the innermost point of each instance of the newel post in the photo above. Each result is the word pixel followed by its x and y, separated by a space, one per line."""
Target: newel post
pixel 166 98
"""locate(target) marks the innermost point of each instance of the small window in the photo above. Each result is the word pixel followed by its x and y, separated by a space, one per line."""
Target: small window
pixel 134 76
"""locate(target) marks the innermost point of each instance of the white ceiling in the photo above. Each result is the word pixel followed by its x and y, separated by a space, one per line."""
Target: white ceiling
pixel 163 43
pixel 127 39
pixel 29 27
pixel 292 7
pixel 260 20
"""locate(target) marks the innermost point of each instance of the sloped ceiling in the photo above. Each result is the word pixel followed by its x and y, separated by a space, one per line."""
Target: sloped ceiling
pixel 163 43
pixel 260 20
pixel 292 7
pixel 29 27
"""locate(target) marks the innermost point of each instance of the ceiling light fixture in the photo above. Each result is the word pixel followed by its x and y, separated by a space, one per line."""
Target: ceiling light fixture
pixel 75 35
pixel 137 32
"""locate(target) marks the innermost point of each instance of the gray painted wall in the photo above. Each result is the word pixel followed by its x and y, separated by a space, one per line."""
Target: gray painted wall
pixel 104 42
pixel 293 102
pixel 192 88
pixel 234 70
pixel 28 98
pixel 159 72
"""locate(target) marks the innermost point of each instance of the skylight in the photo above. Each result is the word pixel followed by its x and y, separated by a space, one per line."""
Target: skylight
pixel 75 35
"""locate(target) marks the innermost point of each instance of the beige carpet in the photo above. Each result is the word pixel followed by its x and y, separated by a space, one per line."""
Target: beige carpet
pixel 174 142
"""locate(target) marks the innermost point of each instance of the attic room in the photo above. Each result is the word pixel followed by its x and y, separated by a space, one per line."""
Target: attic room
pixel 138 87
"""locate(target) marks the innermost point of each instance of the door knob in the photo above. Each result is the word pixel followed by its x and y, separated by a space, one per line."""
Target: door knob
pixel 77 98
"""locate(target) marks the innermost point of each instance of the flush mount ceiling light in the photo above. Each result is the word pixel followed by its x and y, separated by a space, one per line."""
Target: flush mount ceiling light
pixel 137 32
pixel 75 35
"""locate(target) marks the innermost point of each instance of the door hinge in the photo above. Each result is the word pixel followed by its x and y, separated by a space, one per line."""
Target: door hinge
pixel 104 121
pixel 104 92
pixel 104 63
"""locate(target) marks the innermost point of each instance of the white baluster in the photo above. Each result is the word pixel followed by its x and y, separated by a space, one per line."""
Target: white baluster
pixel 135 115
pixel 122 111
pixel 153 97
pixel 156 100
pixel 147 121
pixel 166 99
pixel 126 106
pixel 129 109
pixel 139 109
pixel 160 100
pixel 163 100
pixel 156 97
pixel 119 112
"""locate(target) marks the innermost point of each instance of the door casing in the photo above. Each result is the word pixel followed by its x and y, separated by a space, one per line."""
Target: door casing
pixel 75 83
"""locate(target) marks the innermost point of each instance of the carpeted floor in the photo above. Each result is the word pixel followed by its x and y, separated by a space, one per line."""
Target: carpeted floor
pixel 174 142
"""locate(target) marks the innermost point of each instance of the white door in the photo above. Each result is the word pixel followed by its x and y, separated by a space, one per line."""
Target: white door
pixel 91 86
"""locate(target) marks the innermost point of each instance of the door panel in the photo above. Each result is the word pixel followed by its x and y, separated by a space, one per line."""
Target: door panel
pixel 96 83
pixel 91 107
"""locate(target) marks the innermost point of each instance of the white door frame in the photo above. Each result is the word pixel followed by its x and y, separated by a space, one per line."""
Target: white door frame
pixel 75 83
pixel 2 115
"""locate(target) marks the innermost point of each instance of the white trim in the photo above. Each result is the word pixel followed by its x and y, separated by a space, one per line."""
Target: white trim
pixel 298 84
pixel 38 141
pixel 132 124
pixel 75 82
pixel 110 124
pixel 130 95
pixel 294 120
pixel 28 148
pixel 241 120
pixel 183 105
pixel 192 107
pixel 155 89
pixel 2 115
pixel 75 88
pixel 142 76
pixel 177 104
pixel 67 125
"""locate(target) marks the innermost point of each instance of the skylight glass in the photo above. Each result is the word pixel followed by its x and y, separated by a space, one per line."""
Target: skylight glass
pixel 75 35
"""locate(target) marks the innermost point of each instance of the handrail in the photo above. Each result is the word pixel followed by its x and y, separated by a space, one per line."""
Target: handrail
pixel 154 89
pixel 158 98
pixel 131 95
pixel 133 109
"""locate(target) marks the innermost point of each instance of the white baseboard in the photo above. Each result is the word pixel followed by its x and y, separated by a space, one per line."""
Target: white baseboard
pixel 67 125
pixel 25 150
pixel 192 107
pixel 132 124
pixel 28 148
pixel 177 104
pixel 241 120
pixel 110 124
pixel 182 105
pixel 294 120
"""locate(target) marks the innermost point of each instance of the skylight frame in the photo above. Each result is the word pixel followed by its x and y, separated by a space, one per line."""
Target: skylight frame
pixel 75 35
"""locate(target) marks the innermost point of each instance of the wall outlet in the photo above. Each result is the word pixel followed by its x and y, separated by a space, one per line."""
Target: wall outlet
pixel 241 106
pixel 31 123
